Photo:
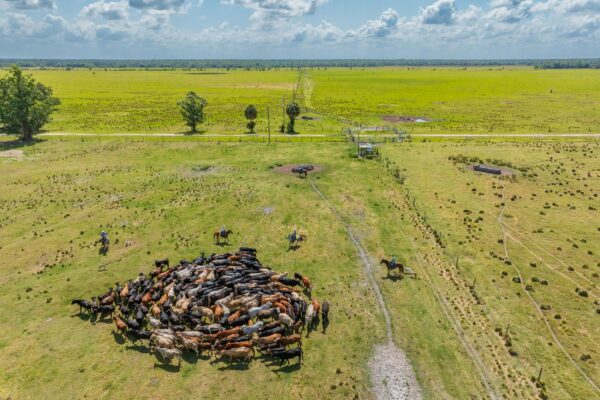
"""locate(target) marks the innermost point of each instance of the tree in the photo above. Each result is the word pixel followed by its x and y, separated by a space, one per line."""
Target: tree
pixel 192 109
pixel 293 111
pixel 251 114
pixel 25 104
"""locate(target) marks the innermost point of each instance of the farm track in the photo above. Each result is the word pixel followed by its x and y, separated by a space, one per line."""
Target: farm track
pixel 392 374
pixel 536 305
pixel 416 135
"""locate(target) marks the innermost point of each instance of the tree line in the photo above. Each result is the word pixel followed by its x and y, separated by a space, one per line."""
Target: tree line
pixel 27 105
pixel 282 63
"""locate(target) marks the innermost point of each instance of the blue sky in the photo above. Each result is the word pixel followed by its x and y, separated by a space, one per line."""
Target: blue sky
pixel 299 28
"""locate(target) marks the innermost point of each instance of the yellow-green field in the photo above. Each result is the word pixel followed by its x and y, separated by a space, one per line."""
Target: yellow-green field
pixel 453 100
pixel 464 323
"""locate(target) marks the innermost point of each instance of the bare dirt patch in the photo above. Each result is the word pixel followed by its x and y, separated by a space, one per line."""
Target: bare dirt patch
pixel 14 154
pixel 405 119
pixel 287 169
pixel 201 170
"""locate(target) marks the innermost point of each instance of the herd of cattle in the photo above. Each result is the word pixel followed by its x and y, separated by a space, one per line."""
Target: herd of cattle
pixel 227 304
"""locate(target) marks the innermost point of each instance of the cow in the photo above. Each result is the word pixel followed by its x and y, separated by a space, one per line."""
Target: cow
pixel 169 354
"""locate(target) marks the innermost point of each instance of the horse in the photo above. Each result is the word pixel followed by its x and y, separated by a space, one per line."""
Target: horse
pixel 104 242
pixel 390 267
pixel 402 269
pixel 294 239
pixel 301 171
pixel 224 235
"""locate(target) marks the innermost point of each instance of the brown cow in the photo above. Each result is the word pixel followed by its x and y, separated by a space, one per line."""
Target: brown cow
pixel 125 291
pixel 243 353
pixel 289 340
pixel 224 334
pixel 120 324
pixel 237 345
pixel 267 340
pixel 316 306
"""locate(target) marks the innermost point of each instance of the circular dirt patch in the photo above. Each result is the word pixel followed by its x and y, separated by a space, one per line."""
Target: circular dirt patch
pixel 287 169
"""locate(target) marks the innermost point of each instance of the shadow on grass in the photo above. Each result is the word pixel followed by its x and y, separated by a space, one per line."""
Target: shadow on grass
pixel 82 316
pixel 288 369
pixel 197 133
pixel 18 144
pixel 190 357
pixel 235 366
pixel 167 367
pixel 294 247
pixel 393 278
pixel 139 348
pixel 120 339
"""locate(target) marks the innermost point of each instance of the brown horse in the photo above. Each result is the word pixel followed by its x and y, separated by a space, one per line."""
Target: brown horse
pixel 388 264
pixel 222 235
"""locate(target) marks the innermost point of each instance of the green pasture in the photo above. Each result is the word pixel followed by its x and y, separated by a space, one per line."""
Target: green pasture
pixel 547 216
pixel 462 100
pixel 161 198
pixel 453 100
pixel 165 198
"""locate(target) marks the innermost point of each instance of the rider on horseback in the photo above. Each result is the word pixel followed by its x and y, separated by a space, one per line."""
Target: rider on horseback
pixel 223 231
pixel 294 233
pixel 393 261
pixel 103 237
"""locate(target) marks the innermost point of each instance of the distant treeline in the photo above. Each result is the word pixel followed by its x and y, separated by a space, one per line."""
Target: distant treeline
pixel 269 64
pixel 569 64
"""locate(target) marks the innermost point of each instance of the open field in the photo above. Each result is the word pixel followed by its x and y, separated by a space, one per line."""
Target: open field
pixel 541 228
pixel 452 100
pixel 459 230
pixel 461 100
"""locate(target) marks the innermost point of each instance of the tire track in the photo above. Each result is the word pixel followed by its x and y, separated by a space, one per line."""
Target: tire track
pixel 392 374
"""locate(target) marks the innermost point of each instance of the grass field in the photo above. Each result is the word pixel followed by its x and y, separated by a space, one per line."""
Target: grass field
pixel 453 100
pixel 156 202
pixel 540 226
pixel 467 236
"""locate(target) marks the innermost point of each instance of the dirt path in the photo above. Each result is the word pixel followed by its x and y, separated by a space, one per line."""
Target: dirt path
pixel 392 374
pixel 416 135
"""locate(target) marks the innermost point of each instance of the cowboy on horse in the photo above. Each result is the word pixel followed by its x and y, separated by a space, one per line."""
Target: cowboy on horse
pixel 222 233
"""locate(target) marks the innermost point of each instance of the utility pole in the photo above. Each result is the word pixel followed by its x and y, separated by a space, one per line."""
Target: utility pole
pixel 269 124
pixel 283 111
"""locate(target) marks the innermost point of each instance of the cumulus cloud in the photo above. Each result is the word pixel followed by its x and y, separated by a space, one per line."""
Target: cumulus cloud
pixel 275 25
pixel 31 4
pixel 439 13
pixel 381 27
pixel 157 4
pixel 268 12
pixel 106 9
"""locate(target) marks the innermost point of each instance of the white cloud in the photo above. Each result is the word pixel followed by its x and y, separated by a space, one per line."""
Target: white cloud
pixel 267 13
pixel 439 13
pixel 106 9
pixel 381 27
pixel 157 4
pixel 31 4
